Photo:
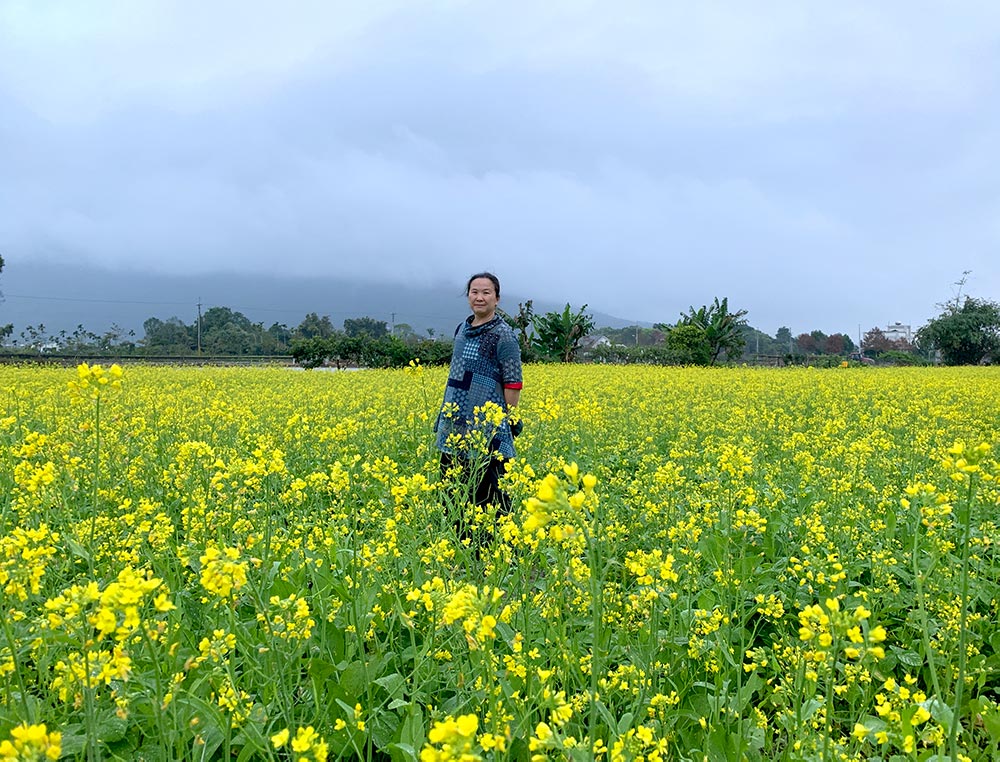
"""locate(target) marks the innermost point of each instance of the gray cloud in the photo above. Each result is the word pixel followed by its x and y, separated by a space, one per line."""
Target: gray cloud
pixel 822 166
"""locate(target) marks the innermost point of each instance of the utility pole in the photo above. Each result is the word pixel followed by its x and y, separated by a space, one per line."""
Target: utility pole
pixel 393 331
pixel 199 325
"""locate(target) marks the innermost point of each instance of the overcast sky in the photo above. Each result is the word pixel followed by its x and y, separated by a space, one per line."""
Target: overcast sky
pixel 823 164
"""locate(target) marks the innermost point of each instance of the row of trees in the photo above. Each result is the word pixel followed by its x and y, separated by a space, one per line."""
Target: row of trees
pixel 703 336
pixel 554 336
pixel 220 331
pixel 755 342
pixel 966 332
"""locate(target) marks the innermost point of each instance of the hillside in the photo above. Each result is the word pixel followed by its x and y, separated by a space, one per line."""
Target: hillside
pixel 61 297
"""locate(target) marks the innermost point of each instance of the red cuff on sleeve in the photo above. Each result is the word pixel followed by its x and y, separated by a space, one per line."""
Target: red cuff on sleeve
pixel 513 386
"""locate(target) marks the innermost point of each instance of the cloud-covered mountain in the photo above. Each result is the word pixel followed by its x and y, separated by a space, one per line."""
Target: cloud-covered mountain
pixel 61 297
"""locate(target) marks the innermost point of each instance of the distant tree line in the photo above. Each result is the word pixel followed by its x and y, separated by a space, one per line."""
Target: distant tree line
pixel 966 332
pixel 224 332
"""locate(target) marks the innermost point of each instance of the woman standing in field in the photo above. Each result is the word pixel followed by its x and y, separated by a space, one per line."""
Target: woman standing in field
pixel 474 428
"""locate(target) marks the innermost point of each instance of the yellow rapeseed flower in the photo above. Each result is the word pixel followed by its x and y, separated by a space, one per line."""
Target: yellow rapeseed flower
pixel 28 743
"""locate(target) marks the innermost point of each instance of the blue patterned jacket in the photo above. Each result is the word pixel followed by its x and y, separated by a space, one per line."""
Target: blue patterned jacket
pixel 486 360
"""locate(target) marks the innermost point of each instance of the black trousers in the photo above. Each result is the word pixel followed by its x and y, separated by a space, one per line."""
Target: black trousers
pixel 478 482
pixel 481 480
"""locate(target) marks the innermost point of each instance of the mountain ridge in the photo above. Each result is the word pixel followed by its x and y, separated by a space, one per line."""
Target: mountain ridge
pixel 61 297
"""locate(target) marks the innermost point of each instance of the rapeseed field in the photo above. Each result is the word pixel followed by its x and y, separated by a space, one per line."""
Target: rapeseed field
pixel 721 564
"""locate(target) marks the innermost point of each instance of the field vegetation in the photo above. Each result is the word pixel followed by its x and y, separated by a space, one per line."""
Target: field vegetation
pixel 711 563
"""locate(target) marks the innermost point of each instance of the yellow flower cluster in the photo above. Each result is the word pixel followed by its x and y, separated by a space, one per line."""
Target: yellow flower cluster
pixel 307 745
pixel 770 606
pixel 237 703
pixel 962 461
pixel 904 716
pixel 475 608
pixel 91 380
pixel 452 739
pixel 489 416
pixel 222 571
pixel 216 648
pixel 639 743
pixel 31 743
pixel 88 670
pixel 649 566
pixel 120 601
pixel 291 621
pixel 562 505
pixel 828 625
pixel 117 609
pixel 24 556
pixel 33 478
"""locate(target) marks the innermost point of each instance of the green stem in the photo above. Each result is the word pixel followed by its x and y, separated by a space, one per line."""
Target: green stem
pixel 93 752
pixel 963 619
pixel 17 670
pixel 831 679
pixel 165 734
pixel 597 617
pixel 918 581
pixel 97 482
pixel 356 571
pixel 800 680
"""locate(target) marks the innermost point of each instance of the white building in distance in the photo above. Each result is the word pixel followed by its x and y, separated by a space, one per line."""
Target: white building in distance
pixel 897 332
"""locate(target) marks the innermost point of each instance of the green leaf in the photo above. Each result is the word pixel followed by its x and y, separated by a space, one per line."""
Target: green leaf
pixel 746 693
pixel 383 728
pixel 411 732
pixel 251 737
pixel 995 640
pixel 250 752
pixel 991 721
pixel 74 740
pixel 111 728
pixel 402 752
pixel 605 714
pixel 890 523
pixel 78 550
pixel 909 658
pixel 809 708
pixel 150 752
pixel 625 722
pixel 940 711
pixel 393 684
pixel 212 724
pixel 353 682
pixel 348 709
pixel 707 600
pixel 322 669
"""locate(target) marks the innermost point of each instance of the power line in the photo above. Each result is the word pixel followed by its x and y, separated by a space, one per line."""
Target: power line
pixel 92 301
pixel 409 315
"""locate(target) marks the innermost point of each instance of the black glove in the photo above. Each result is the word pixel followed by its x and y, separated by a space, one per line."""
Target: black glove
pixel 516 427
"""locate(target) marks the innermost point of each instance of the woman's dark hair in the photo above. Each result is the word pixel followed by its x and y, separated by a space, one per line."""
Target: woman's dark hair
pixel 491 276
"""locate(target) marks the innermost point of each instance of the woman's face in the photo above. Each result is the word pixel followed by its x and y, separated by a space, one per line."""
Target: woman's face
pixel 483 299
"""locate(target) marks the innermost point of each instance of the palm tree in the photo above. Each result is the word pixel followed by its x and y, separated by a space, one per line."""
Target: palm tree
pixel 558 334
pixel 723 330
